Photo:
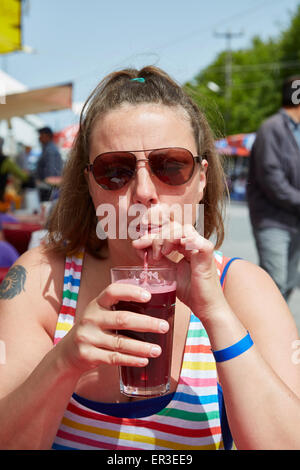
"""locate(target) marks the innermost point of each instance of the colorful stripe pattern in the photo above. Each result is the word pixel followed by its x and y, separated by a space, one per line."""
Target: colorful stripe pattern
pixel 191 420
pixel 72 275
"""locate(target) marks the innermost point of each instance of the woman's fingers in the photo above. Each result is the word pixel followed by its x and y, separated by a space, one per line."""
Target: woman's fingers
pixel 89 356
pixel 98 338
pixel 174 237
pixel 115 348
pixel 123 344
pixel 123 320
pixel 119 291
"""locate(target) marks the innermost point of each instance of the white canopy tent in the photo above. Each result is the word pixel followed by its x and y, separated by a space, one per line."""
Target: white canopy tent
pixel 37 101
pixel 17 129
pixel 19 106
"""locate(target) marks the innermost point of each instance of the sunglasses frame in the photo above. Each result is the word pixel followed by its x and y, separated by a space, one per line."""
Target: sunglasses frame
pixel 196 158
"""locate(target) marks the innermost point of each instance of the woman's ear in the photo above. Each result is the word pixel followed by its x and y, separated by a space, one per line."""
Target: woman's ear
pixel 202 177
pixel 204 165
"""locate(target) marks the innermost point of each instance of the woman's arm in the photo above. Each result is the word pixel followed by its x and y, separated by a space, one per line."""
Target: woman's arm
pixel 31 412
pixel 34 386
pixel 262 385
pixel 37 379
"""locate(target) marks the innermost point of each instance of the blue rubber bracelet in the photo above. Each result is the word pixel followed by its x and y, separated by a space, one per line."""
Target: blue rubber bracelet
pixel 235 350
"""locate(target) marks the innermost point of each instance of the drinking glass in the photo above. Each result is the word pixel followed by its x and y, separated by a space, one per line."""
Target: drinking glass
pixel 153 379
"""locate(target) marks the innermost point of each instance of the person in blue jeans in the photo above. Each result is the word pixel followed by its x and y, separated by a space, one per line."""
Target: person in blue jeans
pixel 273 191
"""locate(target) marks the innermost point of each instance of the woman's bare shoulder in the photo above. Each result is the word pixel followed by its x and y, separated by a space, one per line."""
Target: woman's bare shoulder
pixel 35 280
pixel 40 270
pixel 41 253
pixel 250 288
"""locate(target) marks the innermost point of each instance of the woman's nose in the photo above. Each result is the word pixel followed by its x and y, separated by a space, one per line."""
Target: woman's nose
pixel 144 189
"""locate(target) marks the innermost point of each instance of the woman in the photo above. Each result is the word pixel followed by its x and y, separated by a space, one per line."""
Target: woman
pixel 69 394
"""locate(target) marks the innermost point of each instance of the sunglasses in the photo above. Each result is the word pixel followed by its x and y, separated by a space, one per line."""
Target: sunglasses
pixel 173 166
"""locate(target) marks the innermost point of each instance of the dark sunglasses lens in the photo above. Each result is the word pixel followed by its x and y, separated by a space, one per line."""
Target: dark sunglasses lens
pixel 173 166
pixel 113 170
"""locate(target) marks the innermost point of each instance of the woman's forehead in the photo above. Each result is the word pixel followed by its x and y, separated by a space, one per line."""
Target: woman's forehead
pixel 145 121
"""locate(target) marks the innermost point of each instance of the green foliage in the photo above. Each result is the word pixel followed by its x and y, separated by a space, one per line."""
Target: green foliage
pixel 257 73
pixel 290 46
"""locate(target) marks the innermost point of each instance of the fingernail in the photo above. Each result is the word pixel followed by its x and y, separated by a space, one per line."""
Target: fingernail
pixel 145 295
pixel 155 351
pixel 164 326
pixel 142 361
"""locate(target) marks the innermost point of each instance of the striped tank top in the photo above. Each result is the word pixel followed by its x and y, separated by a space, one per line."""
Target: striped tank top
pixel 191 418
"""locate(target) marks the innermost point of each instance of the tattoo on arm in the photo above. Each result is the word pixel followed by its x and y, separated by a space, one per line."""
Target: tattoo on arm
pixel 13 283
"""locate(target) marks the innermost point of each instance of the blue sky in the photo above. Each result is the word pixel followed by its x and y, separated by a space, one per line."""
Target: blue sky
pixel 83 40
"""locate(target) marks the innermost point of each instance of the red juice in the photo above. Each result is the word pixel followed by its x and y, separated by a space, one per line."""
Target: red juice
pixel 156 375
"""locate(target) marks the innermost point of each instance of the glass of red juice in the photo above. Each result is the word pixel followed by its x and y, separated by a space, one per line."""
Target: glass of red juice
pixel 153 379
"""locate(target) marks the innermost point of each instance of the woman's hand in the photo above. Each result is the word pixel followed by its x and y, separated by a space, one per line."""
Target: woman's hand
pixel 198 284
pixel 93 339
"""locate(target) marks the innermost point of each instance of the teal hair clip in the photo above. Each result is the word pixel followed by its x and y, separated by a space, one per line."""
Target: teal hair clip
pixel 139 79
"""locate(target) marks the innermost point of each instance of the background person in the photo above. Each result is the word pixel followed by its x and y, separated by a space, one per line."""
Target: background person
pixel 8 167
pixel 23 158
pixel 143 139
pixel 273 192
pixel 49 164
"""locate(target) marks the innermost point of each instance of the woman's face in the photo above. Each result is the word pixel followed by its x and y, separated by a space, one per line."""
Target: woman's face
pixel 142 127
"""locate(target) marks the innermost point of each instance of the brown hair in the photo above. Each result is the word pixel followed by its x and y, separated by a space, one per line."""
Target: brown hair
pixel 72 224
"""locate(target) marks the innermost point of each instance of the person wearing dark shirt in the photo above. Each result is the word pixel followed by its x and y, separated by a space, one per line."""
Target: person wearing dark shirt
pixel 274 191
pixel 50 163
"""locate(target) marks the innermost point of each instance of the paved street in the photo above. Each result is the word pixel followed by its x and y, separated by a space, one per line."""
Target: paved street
pixel 239 242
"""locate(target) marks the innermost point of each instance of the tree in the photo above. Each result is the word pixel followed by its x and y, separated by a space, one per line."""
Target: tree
pixel 257 74
pixel 290 47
